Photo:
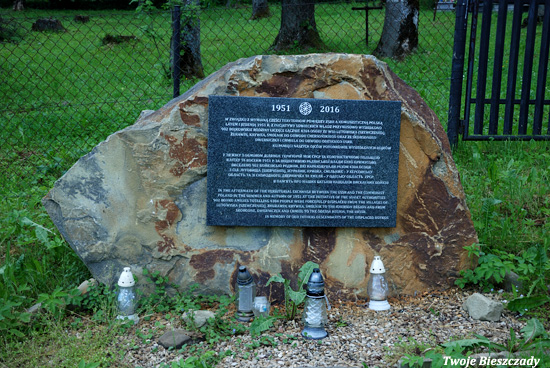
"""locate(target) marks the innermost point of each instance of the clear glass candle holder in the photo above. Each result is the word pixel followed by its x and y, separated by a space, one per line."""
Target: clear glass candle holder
pixel 261 306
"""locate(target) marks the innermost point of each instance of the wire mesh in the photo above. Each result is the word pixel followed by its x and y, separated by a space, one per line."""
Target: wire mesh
pixel 64 91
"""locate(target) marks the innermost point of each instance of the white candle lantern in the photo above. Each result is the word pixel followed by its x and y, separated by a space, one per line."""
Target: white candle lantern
pixel 126 297
pixel 315 309
pixel 246 291
pixel 377 287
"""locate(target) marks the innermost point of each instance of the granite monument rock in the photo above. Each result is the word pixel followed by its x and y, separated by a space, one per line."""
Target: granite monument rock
pixel 139 198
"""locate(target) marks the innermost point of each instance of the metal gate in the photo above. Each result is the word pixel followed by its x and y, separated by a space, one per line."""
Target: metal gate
pixel 507 66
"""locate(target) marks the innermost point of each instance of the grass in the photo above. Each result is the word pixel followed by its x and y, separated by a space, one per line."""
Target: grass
pixel 62 93
pixel 61 344
pixel 508 192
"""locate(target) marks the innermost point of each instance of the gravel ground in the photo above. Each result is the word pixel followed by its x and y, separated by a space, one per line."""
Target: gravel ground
pixel 357 335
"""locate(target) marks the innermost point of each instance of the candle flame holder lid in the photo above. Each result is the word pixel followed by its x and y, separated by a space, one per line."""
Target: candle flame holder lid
pixel 126 278
pixel 377 266
pixel 316 284
pixel 244 277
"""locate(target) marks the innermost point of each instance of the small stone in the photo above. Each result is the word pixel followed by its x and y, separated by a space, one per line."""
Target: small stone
pixel 48 24
pixel 35 308
pixel 85 286
pixel 199 317
pixel 81 18
pixel 511 281
pixel 174 339
pixel 481 308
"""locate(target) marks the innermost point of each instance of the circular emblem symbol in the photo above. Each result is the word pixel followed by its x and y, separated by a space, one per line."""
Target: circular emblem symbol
pixel 305 108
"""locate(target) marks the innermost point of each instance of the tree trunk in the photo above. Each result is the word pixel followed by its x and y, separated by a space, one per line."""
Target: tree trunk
pixel 191 60
pixel 19 5
pixel 400 32
pixel 298 28
pixel 260 9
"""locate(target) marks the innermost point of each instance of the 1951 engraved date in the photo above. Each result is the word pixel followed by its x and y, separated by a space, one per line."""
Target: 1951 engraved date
pixel 280 108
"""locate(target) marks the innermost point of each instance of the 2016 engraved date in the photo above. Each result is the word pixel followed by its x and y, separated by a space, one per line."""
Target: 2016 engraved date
pixel 330 109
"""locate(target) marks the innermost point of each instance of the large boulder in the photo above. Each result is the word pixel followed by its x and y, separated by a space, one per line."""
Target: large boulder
pixel 139 198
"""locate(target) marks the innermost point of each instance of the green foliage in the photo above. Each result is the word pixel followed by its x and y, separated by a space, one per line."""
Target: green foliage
pixel 144 6
pixel 454 353
pixel 216 329
pixel 159 300
pixel 534 341
pixel 8 32
pixel 84 364
pixel 100 301
pixel 29 273
pixel 294 298
pixel 165 296
pixel 56 301
pixel 490 270
pixel 188 300
pixel 220 328
pixel 57 344
pixel 13 322
pixel 413 361
pixel 534 338
pixel 261 324
pixel 205 360
pixel 426 4
pixel 535 270
pixel 37 260
pixel 532 266
pixel 531 302
pixel 536 267
pixel 145 336
pixel 507 186
pixel 409 349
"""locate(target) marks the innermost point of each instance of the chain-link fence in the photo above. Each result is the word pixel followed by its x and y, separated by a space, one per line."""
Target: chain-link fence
pixel 64 90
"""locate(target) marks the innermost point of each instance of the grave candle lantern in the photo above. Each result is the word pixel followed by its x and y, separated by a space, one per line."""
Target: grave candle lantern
pixel 246 291
pixel 315 310
pixel 377 287
pixel 261 306
pixel 126 297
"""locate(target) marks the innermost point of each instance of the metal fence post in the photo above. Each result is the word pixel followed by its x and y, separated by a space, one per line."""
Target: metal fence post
pixel 176 49
pixel 457 71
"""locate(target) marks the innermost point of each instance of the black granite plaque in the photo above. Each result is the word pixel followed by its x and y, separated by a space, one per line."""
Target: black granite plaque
pixel 302 162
